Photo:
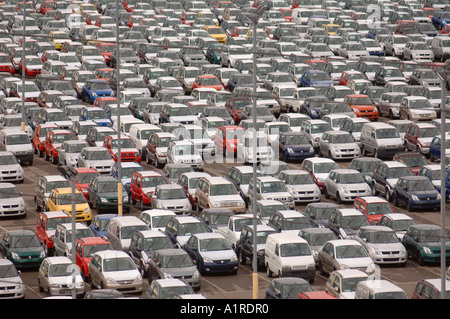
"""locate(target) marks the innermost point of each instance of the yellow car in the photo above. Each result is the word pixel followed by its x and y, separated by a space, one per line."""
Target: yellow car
pixel 60 199
pixel 331 28
pixel 216 33
pixel 58 38
pixel 208 14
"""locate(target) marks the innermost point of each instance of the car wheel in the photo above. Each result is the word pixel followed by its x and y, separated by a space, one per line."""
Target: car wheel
pixel 36 206
pixel 242 259
pixel 142 204
pixel 269 272
pixel 197 206
pixel 148 160
pixel 321 271
pixel 363 151
pixel 408 206
pixel 338 198
pixel 394 200
pixel 387 194
pixel 325 193
pixel 375 153
pixel 157 163
pixel 420 260
pixel 130 200
pixel 54 160
pixel 374 189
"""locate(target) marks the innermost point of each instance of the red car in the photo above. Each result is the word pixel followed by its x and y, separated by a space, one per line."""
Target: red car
pixel 128 150
pixel 156 148
pixel 239 32
pixel 106 50
pixel 85 248
pixel 47 6
pixel 5 64
pixel 102 101
pixel 227 138
pixel 413 160
pixel 235 105
pixel 188 18
pixel 418 137
pixel 143 185
pixel 40 133
pixel 83 178
pixel 53 142
pixel 347 76
pixel 373 207
pixel 104 74
pixel 46 227
pixel 207 81
pixel 33 65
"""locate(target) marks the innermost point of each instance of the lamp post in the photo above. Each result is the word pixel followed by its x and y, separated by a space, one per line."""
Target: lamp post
pixel 254 17
pixel 23 63
pixel 119 153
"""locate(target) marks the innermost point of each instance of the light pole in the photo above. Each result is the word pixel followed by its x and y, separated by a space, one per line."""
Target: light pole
pixel 119 153
pixel 254 17
pixel 23 62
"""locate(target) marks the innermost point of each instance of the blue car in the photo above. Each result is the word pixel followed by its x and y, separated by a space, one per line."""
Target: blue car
pixel 95 114
pixel 416 192
pixel 100 223
pixel 127 171
pixel 316 78
pixel 435 147
pixel 312 106
pixel 440 19
pixel 294 146
pixel 93 89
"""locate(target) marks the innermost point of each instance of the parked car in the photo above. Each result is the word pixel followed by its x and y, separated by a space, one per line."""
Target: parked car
pixel 22 248
pixel 416 192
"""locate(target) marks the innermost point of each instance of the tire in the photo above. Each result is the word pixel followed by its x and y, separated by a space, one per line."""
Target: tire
pixel 141 203
pixel 395 200
pixel 420 260
pixel 242 259
pixel 387 195
pixel 269 272
pixel 338 198
pixel 374 189
pixel 408 206
pixel 325 193
pixel 321 271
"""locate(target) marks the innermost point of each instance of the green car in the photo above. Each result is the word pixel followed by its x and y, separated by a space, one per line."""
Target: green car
pixel 103 194
pixel 365 165
pixel 23 248
pixel 422 242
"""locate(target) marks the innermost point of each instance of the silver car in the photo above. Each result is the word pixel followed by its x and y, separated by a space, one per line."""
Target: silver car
pixel 11 201
pixel 10 169
pixel 11 285
pixel 382 244
pixel 69 152
pixel 96 157
pixel 338 145
pixel 345 185
pixel 172 197
pixel 44 187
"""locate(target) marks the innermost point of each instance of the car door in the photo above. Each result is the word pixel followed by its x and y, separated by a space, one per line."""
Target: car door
pixel 326 260
pixel 191 248
pixel 92 193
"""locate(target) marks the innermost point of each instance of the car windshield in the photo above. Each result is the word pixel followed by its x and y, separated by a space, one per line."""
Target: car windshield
pixel 296 139
pixel 155 243
pixel 273 187
pixel 98 155
pixel 124 143
pixel 160 221
pixel 429 132
pixel 8 160
pixel 96 115
pixel 379 208
pixel 320 76
pixel 127 231
pixel 387 133
pixel 382 237
pixel 421 185
pixel 85 178
pixel 294 250
pixel 363 100
pixel 351 251
pixel 420 104
pixel 107 187
pixel 394 295
pixel 59 138
pixel 118 264
pixel 168 194
pixel 354 222
pixel 56 184
pixel 176 261
pixel 324 167
pixel 296 223
pixel 351 178
pixel 320 128
pixel 75 148
pixel 80 233
pixel 89 250
pixel 401 224
pixel 181 111
pixel 397 172
pixel 187 229
pixel 349 284
pixel 153 181
pixel 97 86
pixel 342 138
pixel 53 222
pixel 17 139
pixel 27 241
pixel 321 239
pixel 214 244
pixel 8 271
pixel 181 150
pixel 9 192
pixel 60 270
pixel 66 199
pixel 430 235
pixel 223 190
pixel 414 161
pixel 300 179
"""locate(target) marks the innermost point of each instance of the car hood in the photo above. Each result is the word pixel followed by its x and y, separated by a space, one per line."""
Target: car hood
pixel 128 275
pixel 303 188
pixel 422 111
pixel 361 262
pixel 100 162
pixel 182 201
pixel 225 198
pixel 387 246
pixel 180 271
pixel 218 255
pixel 346 145
pixel 12 201
pixel 10 281
pixel 347 295
pixel 184 119
pixel 63 280
pixel 12 167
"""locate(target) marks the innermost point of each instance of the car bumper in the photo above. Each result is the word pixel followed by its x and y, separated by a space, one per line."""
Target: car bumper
pixel 82 216
pixel 13 211
pixel 220 266
pixel 11 176
pixel 27 262
pixel 15 291
pixel 66 291
pixel 343 154
pixel 302 273
pixel 424 204
pixel 389 258
pixel 298 156
pixel 389 152
pixel 24 157
pixel 352 196
pixel 306 198
pixel 130 288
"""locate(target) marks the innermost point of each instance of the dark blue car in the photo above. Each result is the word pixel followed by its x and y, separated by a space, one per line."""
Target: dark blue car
pixel 316 78
pixel 416 192
pixel 435 147
pixel 95 114
pixel 312 105
pixel 440 19
pixel 94 89
pixel 100 223
pixel 294 146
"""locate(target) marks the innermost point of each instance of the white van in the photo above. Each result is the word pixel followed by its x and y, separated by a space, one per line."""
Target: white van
pixel 140 133
pixel 379 289
pixel 381 139
pixel 121 229
pixel 301 15
pixel 287 254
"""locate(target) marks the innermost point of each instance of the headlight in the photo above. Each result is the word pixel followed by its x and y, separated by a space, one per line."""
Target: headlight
pixel 196 274
pixel 234 258
pixel 87 211
pixel 166 275
pixel 15 256
pixel 138 279
pixel 290 150
pixel 42 254
pixel 111 281
pixel 207 260
pixel 426 250
pixel 438 196
pixel 414 197
pixel 104 200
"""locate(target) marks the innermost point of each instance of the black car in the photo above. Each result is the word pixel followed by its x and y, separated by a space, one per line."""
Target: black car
pixel 287 288
pixel 244 246
pixel 385 176
pixel 319 213
pixel 216 217
pixel 239 80
pixel 103 194
pixel 424 77
pixel 345 222
pixel 294 146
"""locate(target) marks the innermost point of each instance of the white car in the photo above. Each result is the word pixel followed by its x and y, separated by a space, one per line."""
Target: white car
pixel 418 52
pixel 246 144
pixel 346 185
pixel 69 151
pixel 352 50
pixel 156 219
pixel 338 145
pixel 342 254
pixel 318 50
pixel 270 188
pixel 96 157
pixel 11 285
pixel 314 130
pixel 171 197
pixel 398 222
pixel 301 186
pixel 382 244
pixel 395 44
pixel 232 53
pixel 184 152
pixel 372 46
pixel 10 169
pixel 272 130
pixel 335 120
pixel 55 275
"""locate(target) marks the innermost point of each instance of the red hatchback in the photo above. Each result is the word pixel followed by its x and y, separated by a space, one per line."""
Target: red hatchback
pixel 46 227
pixel 85 248
pixel 373 207
pixel 83 178
pixel 40 133
pixel 207 81
pixel 413 160
pixel 128 150
pixel 143 185
pixel 5 64
pixel 53 142
pixel 227 138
